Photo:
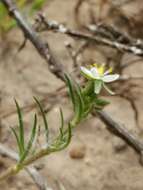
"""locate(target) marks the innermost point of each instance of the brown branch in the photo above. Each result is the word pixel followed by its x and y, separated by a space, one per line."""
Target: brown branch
pixel 30 34
pixel 135 47
pixel 120 131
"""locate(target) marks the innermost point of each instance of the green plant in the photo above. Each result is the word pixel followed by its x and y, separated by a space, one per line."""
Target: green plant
pixel 84 100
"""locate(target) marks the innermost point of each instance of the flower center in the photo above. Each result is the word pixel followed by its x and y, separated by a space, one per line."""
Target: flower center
pixel 101 70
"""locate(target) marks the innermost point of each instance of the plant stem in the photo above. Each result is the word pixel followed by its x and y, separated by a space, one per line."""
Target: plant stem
pixel 9 172
pixel 16 168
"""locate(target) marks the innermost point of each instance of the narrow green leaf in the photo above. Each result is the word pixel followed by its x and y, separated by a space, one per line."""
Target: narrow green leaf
pixel 77 99
pixel 18 141
pixel 31 140
pixel 21 127
pixel 68 138
pixel 44 119
pixel 33 133
pixel 79 104
pixel 69 135
pixel 101 102
pixel 71 90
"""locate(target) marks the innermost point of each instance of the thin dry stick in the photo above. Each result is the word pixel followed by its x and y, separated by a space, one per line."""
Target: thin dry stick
pixel 121 131
pixel 135 48
pixel 36 176
pixel 30 34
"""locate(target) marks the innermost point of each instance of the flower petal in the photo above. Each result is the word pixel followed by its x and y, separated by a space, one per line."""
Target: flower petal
pixel 108 71
pixel 95 72
pixel 110 78
pixel 87 73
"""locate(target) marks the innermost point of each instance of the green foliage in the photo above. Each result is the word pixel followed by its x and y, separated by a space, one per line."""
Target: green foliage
pixel 24 148
pixel 31 140
pixel 59 143
pixel 44 119
pixel 6 23
pixel 83 100
pixel 77 100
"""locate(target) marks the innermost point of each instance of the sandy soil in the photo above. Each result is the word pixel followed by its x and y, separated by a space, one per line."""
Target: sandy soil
pixel 106 162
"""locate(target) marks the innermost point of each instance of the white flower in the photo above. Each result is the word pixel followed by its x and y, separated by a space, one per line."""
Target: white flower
pixel 100 76
pixel 97 73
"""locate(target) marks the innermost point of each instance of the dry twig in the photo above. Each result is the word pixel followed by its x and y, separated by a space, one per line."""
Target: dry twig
pixel 123 44
pixel 30 34
pixel 121 131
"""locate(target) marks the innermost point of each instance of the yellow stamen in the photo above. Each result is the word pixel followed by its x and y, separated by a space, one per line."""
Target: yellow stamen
pixel 101 69
pixel 95 65
pixel 110 69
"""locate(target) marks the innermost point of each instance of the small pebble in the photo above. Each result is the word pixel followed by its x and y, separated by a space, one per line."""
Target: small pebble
pixel 77 152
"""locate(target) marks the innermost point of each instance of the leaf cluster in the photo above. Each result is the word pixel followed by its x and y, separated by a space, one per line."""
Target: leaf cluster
pixel 27 149
pixel 83 101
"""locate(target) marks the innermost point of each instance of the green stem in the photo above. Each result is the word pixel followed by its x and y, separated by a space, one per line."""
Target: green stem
pixel 16 168
pixel 9 172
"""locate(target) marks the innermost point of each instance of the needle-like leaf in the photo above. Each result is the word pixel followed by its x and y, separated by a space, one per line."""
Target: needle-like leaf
pixel 18 141
pixel 31 140
pixel 68 138
pixel 44 119
pixel 21 127
pixel 71 90
pixel 76 97
pixel 101 102
pixel 80 101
